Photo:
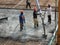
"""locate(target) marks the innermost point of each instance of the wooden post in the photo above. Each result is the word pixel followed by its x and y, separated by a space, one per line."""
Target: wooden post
pixel 58 32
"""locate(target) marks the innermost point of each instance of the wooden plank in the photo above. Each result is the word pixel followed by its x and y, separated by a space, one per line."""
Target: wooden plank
pixel 58 32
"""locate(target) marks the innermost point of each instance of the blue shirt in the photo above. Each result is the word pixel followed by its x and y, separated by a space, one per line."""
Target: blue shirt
pixel 21 18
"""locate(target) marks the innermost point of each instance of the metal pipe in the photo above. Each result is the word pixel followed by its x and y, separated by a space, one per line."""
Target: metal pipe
pixel 54 35
pixel 42 18
pixel 55 13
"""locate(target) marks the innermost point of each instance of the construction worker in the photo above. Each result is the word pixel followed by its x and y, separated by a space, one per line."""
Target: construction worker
pixel 21 20
pixel 28 3
pixel 49 13
pixel 35 17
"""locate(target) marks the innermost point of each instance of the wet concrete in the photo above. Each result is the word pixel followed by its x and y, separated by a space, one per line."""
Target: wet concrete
pixel 10 28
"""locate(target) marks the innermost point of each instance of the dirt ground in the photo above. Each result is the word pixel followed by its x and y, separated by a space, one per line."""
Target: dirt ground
pixel 12 42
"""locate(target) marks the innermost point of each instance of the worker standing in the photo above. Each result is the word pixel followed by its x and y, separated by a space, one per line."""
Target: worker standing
pixel 28 3
pixel 49 10
pixel 35 17
pixel 21 20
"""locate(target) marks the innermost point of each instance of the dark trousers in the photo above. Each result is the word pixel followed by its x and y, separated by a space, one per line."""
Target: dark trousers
pixel 28 4
pixel 21 26
pixel 49 18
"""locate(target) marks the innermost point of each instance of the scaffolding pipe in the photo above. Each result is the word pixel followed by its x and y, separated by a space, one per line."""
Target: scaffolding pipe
pixel 53 36
pixel 38 6
pixel 42 18
pixel 55 14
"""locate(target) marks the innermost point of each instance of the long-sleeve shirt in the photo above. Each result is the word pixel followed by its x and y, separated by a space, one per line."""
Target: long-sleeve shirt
pixel 49 11
pixel 22 18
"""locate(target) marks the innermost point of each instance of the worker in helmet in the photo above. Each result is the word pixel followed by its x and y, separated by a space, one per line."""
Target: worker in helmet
pixel 35 17
pixel 21 20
